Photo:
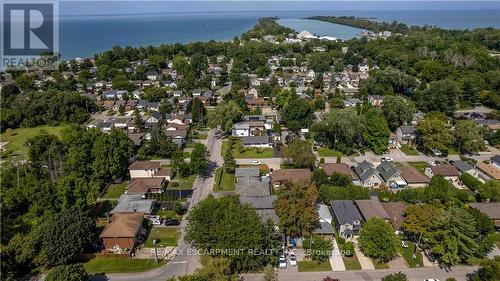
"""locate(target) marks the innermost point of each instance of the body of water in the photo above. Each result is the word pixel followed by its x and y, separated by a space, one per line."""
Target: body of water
pixel 88 27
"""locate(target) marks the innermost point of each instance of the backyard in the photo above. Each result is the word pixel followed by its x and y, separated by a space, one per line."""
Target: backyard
pixel 16 139
pixel 239 151
pixel 305 266
pixel 115 190
pixel 168 236
pixel 120 265
pixel 420 166
pixel 223 181
pixel 328 152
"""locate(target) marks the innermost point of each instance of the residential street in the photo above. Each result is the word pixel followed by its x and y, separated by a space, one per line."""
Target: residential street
pixel 184 262
pixel 414 274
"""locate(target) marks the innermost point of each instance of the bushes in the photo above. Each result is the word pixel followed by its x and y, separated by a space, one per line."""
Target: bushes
pixel 348 249
pixel 471 182
pixel 70 272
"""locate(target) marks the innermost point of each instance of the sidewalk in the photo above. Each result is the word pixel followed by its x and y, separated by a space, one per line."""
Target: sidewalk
pixel 364 261
pixel 336 261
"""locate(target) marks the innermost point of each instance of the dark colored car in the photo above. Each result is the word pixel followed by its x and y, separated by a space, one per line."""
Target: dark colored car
pixel 172 222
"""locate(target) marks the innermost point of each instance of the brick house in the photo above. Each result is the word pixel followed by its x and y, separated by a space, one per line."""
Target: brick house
pixel 122 232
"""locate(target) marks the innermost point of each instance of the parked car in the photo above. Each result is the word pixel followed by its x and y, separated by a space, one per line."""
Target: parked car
pixel 403 244
pixel 293 260
pixel 282 262
pixel 315 148
pixel 431 279
pixel 362 152
pixel 432 163
pixel 255 162
pixel 386 159
pixel 155 220
pixel 172 222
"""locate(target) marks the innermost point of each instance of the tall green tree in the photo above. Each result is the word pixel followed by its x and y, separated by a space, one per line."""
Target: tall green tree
pixel 378 240
pixel 69 272
pixel 397 111
pixel 298 154
pixel 434 132
pixel 468 136
pixel 377 132
pixel 298 114
pixel 225 115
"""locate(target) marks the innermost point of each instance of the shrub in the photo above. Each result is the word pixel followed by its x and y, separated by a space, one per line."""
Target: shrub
pixel 348 249
pixel 70 272
pixel 174 184
pixel 471 182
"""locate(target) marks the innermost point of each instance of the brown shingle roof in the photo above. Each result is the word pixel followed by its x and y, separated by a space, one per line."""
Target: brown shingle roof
pixel 412 175
pixel 445 170
pixel 396 212
pixel 142 185
pixel 490 170
pixel 341 168
pixel 123 225
pixel 492 210
pixel 371 208
pixel 144 165
pixel 291 175
pixel 163 172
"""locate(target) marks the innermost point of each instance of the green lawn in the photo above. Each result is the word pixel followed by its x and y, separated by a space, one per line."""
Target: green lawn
pixel 120 265
pixel 168 214
pixel 224 181
pixel 327 152
pixel 420 166
pixel 239 151
pixel 115 190
pixel 379 265
pixel 184 183
pixel 452 151
pixel 407 254
pixel 408 150
pixel 351 263
pixel 168 236
pixel 305 266
pixel 18 137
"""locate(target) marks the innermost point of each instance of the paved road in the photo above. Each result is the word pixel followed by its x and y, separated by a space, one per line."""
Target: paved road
pixel 184 262
pixel 414 274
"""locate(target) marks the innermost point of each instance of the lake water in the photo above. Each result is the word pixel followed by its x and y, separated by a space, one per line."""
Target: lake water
pixel 89 27
pixel 321 28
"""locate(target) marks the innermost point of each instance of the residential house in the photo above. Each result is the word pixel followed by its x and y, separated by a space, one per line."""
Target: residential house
pixel 299 176
pixel 146 105
pixel 491 209
pixel 152 75
pixel 376 100
pixel 164 173
pixel 178 136
pixel 325 220
pixel 413 177
pixel 406 134
pixel 129 203
pixel 464 167
pixel 123 232
pixel 352 102
pixel 143 169
pixel 264 207
pixel 143 186
pixel 257 141
pixel 368 175
pixel 342 169
pixel 249 183
pixel 491 169
pixel 240 130
pixel 391 175
pixel 131 104
pixel 396 212
pixel 348 220
pixel 447 171
pixel 153 118
pixel 176 126
pixel 371 208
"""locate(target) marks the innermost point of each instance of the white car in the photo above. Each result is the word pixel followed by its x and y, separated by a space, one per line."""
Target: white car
pixel 386 159
pixel 293 260
pixel 155 220
pixel 403 244
pixel 431 279
pixel 255 162
pixel 432 163
pixel 282 262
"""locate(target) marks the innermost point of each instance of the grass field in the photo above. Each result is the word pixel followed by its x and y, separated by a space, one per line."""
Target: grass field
pixel 115 190
pixel 239 151
pixel 351 263
pixel 327 152
pixel 184 183
pixel 168 214
pixel 18 137
pixel 120 265
pixel 420 166
pixel 224 181
pixel 408 150
pixel 379 265
pixel 306 266
pixel 168 236
pixel 407 254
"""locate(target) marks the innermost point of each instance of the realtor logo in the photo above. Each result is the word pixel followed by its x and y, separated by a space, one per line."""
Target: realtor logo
pixel 29 33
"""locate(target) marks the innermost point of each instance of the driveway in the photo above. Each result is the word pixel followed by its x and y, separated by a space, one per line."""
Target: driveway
pixel 364 261
pixel 336 261
pixel 273 163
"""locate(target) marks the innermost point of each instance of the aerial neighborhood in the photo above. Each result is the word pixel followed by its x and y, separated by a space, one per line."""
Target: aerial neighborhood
pixel 381 152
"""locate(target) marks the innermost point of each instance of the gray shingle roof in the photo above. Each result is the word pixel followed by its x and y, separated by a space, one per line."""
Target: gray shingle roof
pixel 259 202
pixel 255 140
pixel 387 170
pixel 324 228
pixel 365 170
pixel 345 211
pixel 462 166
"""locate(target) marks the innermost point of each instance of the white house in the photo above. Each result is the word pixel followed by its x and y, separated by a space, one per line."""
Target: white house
pixel 241 130
pixel 143 169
